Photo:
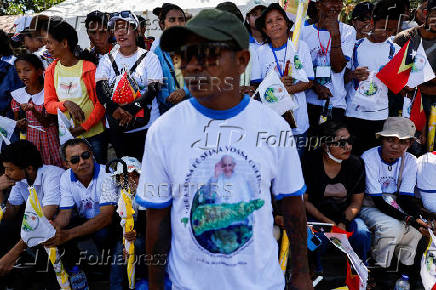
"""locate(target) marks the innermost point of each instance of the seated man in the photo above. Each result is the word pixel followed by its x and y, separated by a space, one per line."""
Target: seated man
pixel 82 186
pixel 23 165
pixel 390 183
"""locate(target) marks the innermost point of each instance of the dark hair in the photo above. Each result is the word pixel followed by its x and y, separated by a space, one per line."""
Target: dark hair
pixel 327 131
pixel 98 17
pixel 74 142
pixel 22 154
pixel 5 47
pixel 142 21
pixel 61 30
pixel 387 9
pixel 161 12
pixel 231 8
pixel 34 61
pixel 312 12
pixel 261 21
pixel 37 23
pixel 246 24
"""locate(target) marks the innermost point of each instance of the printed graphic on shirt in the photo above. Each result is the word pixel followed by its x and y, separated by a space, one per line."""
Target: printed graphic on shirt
pixel 225 184
pixel 69 88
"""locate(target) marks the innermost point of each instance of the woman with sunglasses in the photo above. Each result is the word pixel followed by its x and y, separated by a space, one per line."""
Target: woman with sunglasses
pixel 335 187
pixel 279 54
pixel 69 86
pixel 174 89
pixel 129 114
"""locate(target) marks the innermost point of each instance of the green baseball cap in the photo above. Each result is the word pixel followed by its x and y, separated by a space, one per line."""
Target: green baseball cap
pixel 212 24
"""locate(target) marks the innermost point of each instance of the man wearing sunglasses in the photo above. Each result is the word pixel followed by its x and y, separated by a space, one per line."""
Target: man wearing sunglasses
pixel 218 237
pixel 82 186
pixel 388 208
pixel 23 168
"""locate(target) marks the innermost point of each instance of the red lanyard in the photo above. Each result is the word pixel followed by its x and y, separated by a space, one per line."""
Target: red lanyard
pixel 324 50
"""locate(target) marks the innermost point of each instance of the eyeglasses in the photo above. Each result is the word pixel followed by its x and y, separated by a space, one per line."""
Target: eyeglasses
pixel 342 142
pixel 400 141
pixel 207 53
pixel 76 159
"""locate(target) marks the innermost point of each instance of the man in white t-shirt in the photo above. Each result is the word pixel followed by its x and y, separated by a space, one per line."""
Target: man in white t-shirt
pixel 82 215
pixel 23 166
pixel 219 238
pixel 331 46
pixel 388 207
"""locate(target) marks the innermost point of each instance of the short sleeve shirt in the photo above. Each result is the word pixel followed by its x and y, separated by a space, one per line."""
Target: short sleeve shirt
pixel 382 177
pixel 46 185
pixel 86 200
pixel 220 192
pixel 149 70
pixel 317 38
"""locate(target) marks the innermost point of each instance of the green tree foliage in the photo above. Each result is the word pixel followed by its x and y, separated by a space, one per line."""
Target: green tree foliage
pixel 13 7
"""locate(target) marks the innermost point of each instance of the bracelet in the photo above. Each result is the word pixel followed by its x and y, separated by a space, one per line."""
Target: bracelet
pixel 407 220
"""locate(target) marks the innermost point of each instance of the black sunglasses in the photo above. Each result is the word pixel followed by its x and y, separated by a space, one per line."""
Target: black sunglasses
pixel 342 142
pixel 206 53
pixel 85 156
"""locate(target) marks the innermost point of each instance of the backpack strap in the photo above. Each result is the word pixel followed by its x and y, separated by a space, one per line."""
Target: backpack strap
pixel 114 64
pixel 137 62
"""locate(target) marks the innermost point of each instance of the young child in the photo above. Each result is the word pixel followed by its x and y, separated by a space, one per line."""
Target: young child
pixel 41 127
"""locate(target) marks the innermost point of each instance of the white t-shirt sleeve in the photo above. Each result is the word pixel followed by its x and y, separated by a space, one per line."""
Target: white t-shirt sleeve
pixel 373 187
pixel 348 39
pixel 256 71
pixel 288 179
pixel 306 59
pixel 15 197
pixel 51 187
pixel 67 201
pixel 408 182
pixel 103 69
pixel 153 68
pixel 154 189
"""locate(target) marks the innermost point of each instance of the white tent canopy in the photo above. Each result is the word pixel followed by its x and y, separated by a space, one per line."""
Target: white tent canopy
pixel 75 11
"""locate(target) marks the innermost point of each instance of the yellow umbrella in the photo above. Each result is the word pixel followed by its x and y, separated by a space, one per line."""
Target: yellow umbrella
pixel 34 207
pixel 126 213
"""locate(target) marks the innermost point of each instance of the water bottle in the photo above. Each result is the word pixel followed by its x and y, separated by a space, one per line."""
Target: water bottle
pixel 326 113
pixel 402 283
pixel 78 279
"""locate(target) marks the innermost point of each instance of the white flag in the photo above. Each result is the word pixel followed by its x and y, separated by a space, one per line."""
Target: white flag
pixel 35 228
pixel 421 71
pixel 7 127
pixel 64 126
pixel 428 264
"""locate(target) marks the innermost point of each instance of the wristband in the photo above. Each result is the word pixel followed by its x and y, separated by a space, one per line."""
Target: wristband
pixel 408 219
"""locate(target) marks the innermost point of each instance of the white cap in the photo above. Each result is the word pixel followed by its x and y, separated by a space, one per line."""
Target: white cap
pixel 132 165
pixel 253 4
pixel 20 25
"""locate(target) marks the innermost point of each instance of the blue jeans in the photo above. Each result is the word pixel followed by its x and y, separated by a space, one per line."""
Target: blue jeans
pixel 99 147
pixel 360 241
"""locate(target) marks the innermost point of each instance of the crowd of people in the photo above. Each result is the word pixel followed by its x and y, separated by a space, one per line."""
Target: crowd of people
pixel 183 115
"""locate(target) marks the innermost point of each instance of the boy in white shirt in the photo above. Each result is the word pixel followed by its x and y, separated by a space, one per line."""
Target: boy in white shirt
pixel 367 106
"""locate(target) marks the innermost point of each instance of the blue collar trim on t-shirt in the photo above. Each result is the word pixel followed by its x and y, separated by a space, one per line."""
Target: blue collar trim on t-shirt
pixel 73 176
pixel 278 48
pixel 387 163
pixel 251 39
pixel 221 115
